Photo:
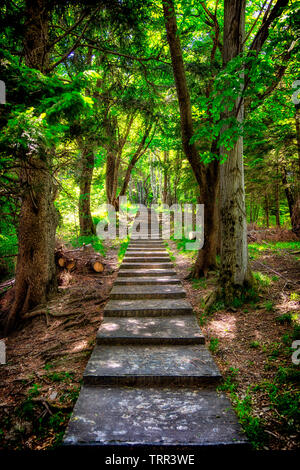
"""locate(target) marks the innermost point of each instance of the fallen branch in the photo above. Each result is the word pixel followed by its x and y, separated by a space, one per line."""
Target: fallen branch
pixel 35 313
pixel 9 256
pixel 8 283
pixel 288 281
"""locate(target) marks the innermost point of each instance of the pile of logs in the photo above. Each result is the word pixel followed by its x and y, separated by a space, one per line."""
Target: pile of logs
pixel 79 258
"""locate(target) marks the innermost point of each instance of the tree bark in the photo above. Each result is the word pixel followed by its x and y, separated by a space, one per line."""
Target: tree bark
pixel 206 258
pixel 235 273
pixel 165 175
pixel 267 212
pixel 288 192
pixel 87 163
pixel 111 160
pixel 35 270
pixel 277 205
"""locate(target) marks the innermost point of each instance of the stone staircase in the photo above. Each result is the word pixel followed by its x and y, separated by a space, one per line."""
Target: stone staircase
pixel 150 380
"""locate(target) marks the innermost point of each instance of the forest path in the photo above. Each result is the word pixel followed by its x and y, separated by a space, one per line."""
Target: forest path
pixel 150 380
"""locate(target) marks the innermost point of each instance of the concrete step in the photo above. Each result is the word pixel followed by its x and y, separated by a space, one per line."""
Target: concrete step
pixel 144 308
pixel 147 265
pixel 146 280
pixel 150 244
pixel 145 242
pixel 147 292
pixel 143 259
pixel 146 272
pixel 146 236
pixel 146 252
pixel 146 249
pixel 151 365
pixel 148 330
pixel 163 416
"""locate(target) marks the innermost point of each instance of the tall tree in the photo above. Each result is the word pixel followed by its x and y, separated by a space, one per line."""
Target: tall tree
pixel 206 176
pixel 36 271
pixel 235 271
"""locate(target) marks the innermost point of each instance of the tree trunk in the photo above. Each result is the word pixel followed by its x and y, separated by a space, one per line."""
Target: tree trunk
pixel 288 192
pixel 277 204
pixel 165 172
pixel 207 256
pixel 35 271
pixel 267 212
pixel 111 178
pixel 251 210
pixel 235 272
pixel 87 162
pixel 297 123
pixel 295 219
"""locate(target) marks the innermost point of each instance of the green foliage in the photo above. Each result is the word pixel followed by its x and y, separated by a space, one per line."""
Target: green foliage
pixel 252 425
pixel 216 307
pixel 60 376
pixel 199 283
pixel 284 318
pixel 269 306
pixel 254 344
pixel 263 279
pixel 123 248
pixel 230 381
pixel 213 345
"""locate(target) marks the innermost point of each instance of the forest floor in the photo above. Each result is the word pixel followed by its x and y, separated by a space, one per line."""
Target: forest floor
pixel 46 359
pixel 251 344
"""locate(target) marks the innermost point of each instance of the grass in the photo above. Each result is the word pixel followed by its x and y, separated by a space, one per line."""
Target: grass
pixel 254 344
pixel 171 254
pixel 262 279
pixel 285 318
pixel 96 243
pixel 34 417
pixel 181 247
pixel 60 376
pixel 8 246
pixel 123 248
pixel 213 345
pixel 199 283
pixel 269 306
pixel 252 425
pixel 255 249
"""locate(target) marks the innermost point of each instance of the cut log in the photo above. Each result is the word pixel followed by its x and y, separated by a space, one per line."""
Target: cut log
pixel 61 262
pixel 82 258
pixel 71 264
pixel 97 266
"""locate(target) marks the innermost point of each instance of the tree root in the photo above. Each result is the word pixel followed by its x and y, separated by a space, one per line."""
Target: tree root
pixel 35 313
pixel 211 298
